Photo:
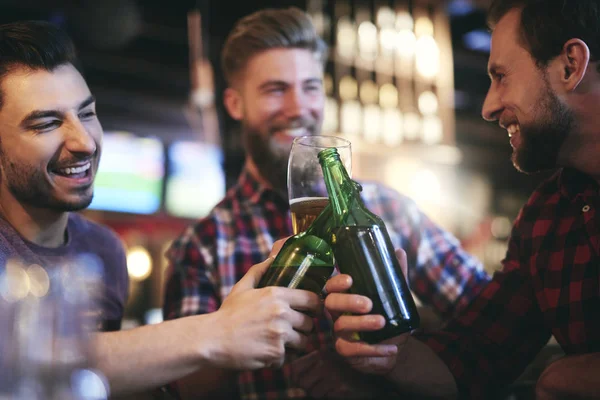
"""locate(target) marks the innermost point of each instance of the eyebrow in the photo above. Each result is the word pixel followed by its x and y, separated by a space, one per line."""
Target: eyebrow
pixel 283 83
pixel 39 114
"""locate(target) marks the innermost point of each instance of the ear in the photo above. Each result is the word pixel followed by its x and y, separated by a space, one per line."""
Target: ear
pixel 574 59
pixel 234 103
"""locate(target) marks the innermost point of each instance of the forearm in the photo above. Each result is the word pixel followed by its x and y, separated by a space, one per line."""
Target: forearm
pixel 151 356
pixel 573 377
pixel 420 372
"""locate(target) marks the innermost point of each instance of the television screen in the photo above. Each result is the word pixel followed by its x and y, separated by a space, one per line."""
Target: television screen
pixel 196 181
pixel 130 175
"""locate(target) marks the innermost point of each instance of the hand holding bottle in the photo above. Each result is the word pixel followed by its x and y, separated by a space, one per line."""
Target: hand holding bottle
pixel 253 327
pixel 350 313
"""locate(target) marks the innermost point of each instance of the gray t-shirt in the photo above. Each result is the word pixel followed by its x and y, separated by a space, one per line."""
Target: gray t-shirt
pixel 83 236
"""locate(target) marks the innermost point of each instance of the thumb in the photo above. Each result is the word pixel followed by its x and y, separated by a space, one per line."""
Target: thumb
pixel 277 246
pixel 253 276
pixel 401 256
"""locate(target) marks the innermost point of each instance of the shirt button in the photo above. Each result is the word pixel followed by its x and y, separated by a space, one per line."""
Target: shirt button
pixel 585 208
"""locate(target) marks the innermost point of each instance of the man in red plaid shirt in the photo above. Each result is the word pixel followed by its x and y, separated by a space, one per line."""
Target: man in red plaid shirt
pixel 273 62
pixel 545 91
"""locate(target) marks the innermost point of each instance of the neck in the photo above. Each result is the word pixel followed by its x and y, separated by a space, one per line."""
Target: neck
pixel 40 226
pixel 581 149
pixel 255 173
pixel 253 170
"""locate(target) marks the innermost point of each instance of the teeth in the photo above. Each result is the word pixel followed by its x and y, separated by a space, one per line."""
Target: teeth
pixel 295 132
pixel 75 170
pixel 512 129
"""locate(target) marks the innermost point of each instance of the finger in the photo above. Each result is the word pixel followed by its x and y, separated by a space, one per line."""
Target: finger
pixel 338 284
pixel 348 303
pixel 401 256
pixel 296 340
pixel 300 321
pixel 359 323
pixel 347 349
pixel 302 300
pixel 277 246
pixel 253 276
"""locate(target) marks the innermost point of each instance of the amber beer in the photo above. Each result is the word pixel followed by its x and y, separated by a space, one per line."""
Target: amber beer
pixel 305 210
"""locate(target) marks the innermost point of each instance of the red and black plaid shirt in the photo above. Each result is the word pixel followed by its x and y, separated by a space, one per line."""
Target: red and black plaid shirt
pixel 213 254
pixel 549 286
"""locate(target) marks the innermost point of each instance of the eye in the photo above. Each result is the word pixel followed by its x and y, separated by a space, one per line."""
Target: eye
pixel 275 90
pixel 87 114
pixel 46 126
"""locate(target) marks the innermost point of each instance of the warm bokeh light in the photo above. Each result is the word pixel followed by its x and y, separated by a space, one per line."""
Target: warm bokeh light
pixel 330 116
pixel 428 103
pixel 427 57
pixel 405 43
pixel 346 37
pixel 14 282
pixel 348 88
pixel 392 130
pixel 351 117
pixel 367 40
pixel 39 280
pixel 412 125
pixel 404 21
pixel 423 27
pixel 369 92
pixel 433 130
pixel 388 96
pixel 386 18
pixel 372 123
pixel 139 263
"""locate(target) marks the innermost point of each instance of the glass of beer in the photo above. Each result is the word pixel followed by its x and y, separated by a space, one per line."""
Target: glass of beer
pixel 306 188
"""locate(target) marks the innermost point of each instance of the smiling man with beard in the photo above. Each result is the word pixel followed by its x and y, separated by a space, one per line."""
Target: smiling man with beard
pixel 273 62
pixel 545 91
pixel 50 145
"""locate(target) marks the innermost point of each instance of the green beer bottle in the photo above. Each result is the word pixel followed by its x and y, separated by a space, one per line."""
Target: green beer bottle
pixel 306 260
pixel 363 250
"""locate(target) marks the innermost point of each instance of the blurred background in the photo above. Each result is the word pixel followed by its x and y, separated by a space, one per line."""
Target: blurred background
pixel 412 113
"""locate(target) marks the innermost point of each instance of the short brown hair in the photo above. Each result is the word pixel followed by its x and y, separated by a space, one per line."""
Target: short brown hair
pixel 269 29
pixel 546 25
pixel 35 45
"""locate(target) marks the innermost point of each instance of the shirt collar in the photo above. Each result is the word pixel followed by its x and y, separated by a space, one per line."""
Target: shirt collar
pixel 573 183
pixel 253 191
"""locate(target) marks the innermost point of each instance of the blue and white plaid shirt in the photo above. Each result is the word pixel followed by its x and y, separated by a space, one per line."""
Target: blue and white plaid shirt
pixel 214 253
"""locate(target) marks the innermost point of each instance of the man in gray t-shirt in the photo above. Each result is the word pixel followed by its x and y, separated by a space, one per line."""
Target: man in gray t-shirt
pixel 82 237
pixel 50 145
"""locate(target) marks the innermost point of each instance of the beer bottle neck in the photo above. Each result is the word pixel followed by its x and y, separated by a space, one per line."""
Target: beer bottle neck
pixel 343 191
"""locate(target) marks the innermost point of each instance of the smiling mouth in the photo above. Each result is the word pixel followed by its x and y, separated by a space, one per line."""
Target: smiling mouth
pixel 295 132
pixel 74 172
pixel 512 130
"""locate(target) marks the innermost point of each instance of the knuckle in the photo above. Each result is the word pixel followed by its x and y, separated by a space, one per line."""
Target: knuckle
pixel 339 325
pixel 277 331
pixel 271 292
pixel 279 310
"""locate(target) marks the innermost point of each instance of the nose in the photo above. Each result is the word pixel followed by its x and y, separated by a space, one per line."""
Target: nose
pixel 79 140
pixel 492 106
pixel 296 103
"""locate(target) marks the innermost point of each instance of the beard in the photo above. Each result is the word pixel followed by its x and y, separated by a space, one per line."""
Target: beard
pixel 29 185
pixel 542 140
pixel 270 156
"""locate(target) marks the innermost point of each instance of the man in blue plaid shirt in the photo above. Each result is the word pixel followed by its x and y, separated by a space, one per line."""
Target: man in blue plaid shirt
pixel 273 62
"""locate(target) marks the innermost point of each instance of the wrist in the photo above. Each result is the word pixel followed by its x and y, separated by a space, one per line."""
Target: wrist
pixel 207 339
